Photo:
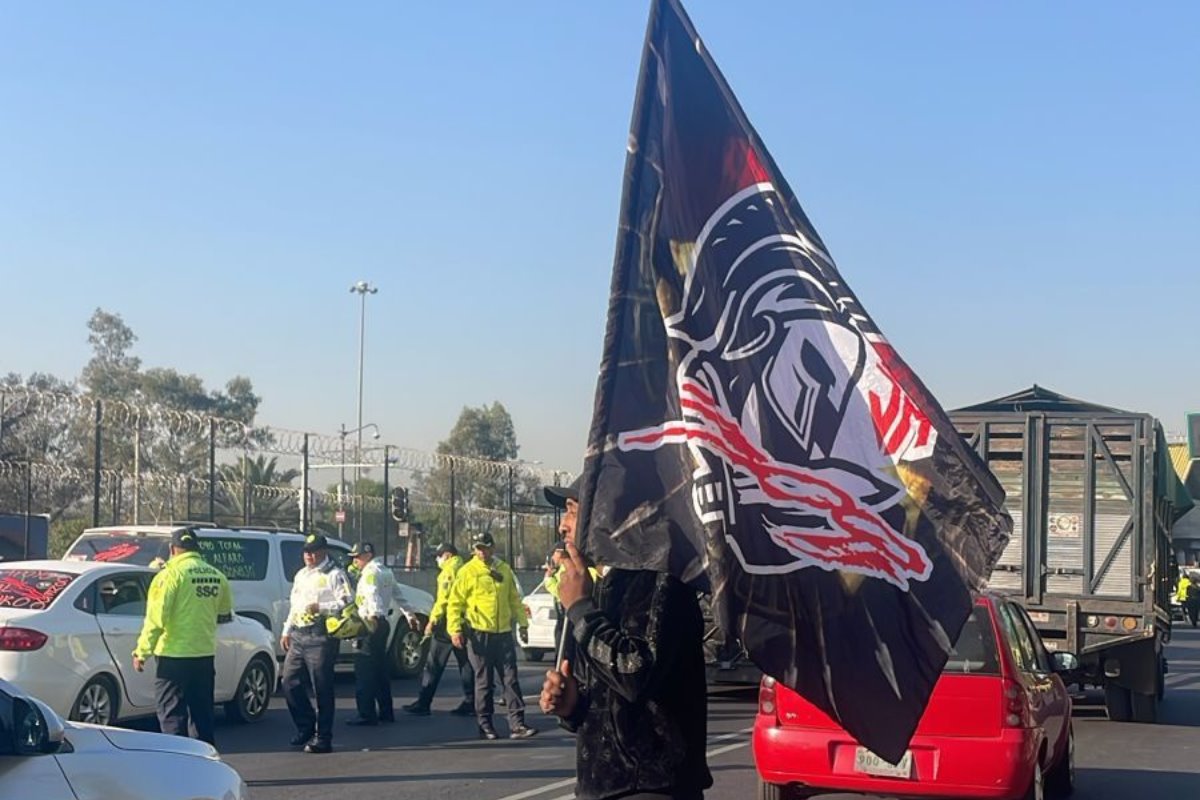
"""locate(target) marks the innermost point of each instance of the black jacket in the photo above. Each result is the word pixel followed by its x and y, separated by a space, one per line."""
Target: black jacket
pixel 642 714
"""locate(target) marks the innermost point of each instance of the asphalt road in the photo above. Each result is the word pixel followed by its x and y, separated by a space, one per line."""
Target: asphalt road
pixel 440 757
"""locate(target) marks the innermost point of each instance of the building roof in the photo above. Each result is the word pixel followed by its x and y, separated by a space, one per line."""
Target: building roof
pixel 1038 398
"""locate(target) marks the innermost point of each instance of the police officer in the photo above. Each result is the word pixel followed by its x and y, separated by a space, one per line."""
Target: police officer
pixel 484 605
pixel 372 679
pixel 555 567
pixel 320 590
pixel 187 599
pixel 449 562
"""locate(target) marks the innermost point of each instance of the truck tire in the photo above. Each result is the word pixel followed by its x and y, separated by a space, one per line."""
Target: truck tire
pixel 1118 703
pixel 1144 707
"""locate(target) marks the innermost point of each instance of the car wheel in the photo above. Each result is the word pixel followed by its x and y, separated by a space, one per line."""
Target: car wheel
pixel 1060 781
pixel 406 653
pixel 534 655
pixel 1118 703
pixel 1144 706
pixel 1037 784
pixel 254 692
pixel 776 791
pixel 97 703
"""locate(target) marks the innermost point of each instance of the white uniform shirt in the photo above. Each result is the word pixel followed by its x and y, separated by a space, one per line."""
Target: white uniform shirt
pixel 376 585
pixel 327 585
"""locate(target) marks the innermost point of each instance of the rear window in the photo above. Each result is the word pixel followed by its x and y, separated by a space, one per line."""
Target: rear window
pixel 975 651
pixel 32 589
pixel 120 548
pixel 240 559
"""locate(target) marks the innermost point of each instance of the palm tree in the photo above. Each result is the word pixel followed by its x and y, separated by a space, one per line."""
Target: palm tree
pixel 254 491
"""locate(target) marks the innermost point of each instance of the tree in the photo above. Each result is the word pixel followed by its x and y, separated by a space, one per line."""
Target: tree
pixel 112 372
pixel 258 486
pixel 480 490
pixel 41 415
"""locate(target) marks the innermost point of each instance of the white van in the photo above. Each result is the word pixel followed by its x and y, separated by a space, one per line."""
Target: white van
pixel 260 565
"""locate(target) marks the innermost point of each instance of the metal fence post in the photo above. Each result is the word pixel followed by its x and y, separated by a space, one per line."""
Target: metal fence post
pixel 212 470
pixel 452 501
pixel 511 555
pixel 96 464
pixel 386 497
pixel 304 521
pixel 28 501
pixel 137 469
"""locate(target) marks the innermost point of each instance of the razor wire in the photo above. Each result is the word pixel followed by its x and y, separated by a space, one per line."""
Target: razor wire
pixel 320 448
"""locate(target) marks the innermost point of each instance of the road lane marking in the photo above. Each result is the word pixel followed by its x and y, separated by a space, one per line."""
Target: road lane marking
pixel 550 787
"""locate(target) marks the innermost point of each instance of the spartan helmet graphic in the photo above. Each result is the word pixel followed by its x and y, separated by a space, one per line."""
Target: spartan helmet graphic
pixel 760 333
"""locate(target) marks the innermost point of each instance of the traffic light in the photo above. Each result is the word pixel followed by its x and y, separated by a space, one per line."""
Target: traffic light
pixel 400 504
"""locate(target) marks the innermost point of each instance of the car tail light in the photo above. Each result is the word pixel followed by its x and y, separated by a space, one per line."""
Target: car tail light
pixel 1129 623
pixel 766 697
pixel 21 639
pixel 528 613
pixel 1016 709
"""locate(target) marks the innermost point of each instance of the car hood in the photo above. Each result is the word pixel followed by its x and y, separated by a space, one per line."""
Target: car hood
pixel 413 600
pixel 140 741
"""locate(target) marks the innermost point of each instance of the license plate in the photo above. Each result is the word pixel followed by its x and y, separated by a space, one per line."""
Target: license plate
pixel 1039 616
pixel 868 763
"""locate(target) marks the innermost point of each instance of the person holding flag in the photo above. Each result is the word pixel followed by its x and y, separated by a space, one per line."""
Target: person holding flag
pixel 632 676
pixel 755 436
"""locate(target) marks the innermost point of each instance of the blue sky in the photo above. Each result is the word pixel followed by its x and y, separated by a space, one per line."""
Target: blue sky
pixel 1013 190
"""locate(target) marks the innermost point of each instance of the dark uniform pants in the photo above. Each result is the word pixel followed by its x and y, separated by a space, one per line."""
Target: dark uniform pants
pixel 372 675
pixel 309 666
pixel 183 689
pixel 495 651
pixel 439 653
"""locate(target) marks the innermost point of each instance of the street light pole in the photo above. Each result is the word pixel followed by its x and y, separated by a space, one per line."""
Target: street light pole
pixel 362 289
pixel 342 483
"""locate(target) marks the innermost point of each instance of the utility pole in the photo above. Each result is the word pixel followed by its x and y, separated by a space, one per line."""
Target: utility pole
pixel 362 289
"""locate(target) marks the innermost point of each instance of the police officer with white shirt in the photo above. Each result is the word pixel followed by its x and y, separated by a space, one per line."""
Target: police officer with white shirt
pixel 372 679
pixel 320 590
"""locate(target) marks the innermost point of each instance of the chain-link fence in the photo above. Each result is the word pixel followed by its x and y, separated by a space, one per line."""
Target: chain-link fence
pixel 86 463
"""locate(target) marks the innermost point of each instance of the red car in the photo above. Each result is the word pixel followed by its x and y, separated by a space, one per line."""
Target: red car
pixel 998 725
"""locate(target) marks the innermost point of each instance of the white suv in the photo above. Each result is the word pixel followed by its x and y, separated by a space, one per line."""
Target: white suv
pixel 260 565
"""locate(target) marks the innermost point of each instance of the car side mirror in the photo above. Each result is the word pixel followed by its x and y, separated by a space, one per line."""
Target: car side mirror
pixel 36 728
pixel 1065 662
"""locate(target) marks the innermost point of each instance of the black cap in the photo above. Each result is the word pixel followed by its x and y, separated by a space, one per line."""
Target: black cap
pixel 314 542
pixel 362 549
pixel 446 549
pixel 559 495
pixel 185 539
pixel 483 540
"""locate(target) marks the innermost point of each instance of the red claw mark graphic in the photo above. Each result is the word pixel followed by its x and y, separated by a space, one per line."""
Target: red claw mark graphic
pixel 858 540
pixel 116 552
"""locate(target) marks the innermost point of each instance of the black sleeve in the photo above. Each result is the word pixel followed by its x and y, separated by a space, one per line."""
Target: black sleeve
pixel 634 654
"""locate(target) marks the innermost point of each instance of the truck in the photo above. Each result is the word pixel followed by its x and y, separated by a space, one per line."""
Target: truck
pixel 1093 497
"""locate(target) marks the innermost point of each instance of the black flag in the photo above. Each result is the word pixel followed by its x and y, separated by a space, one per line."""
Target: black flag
pixel 755 434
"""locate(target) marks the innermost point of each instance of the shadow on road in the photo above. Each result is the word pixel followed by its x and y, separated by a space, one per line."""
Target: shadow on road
pixel 1136 782
pixel 351 780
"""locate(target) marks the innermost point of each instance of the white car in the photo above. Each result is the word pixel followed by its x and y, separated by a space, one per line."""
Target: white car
pixel 260 565
pixel 67 634
pixel 42 756
pixel 543 616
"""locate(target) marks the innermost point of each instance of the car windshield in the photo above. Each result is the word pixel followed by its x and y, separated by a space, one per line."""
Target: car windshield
pixel 975 651
pixel 32 589
pixel 121 548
